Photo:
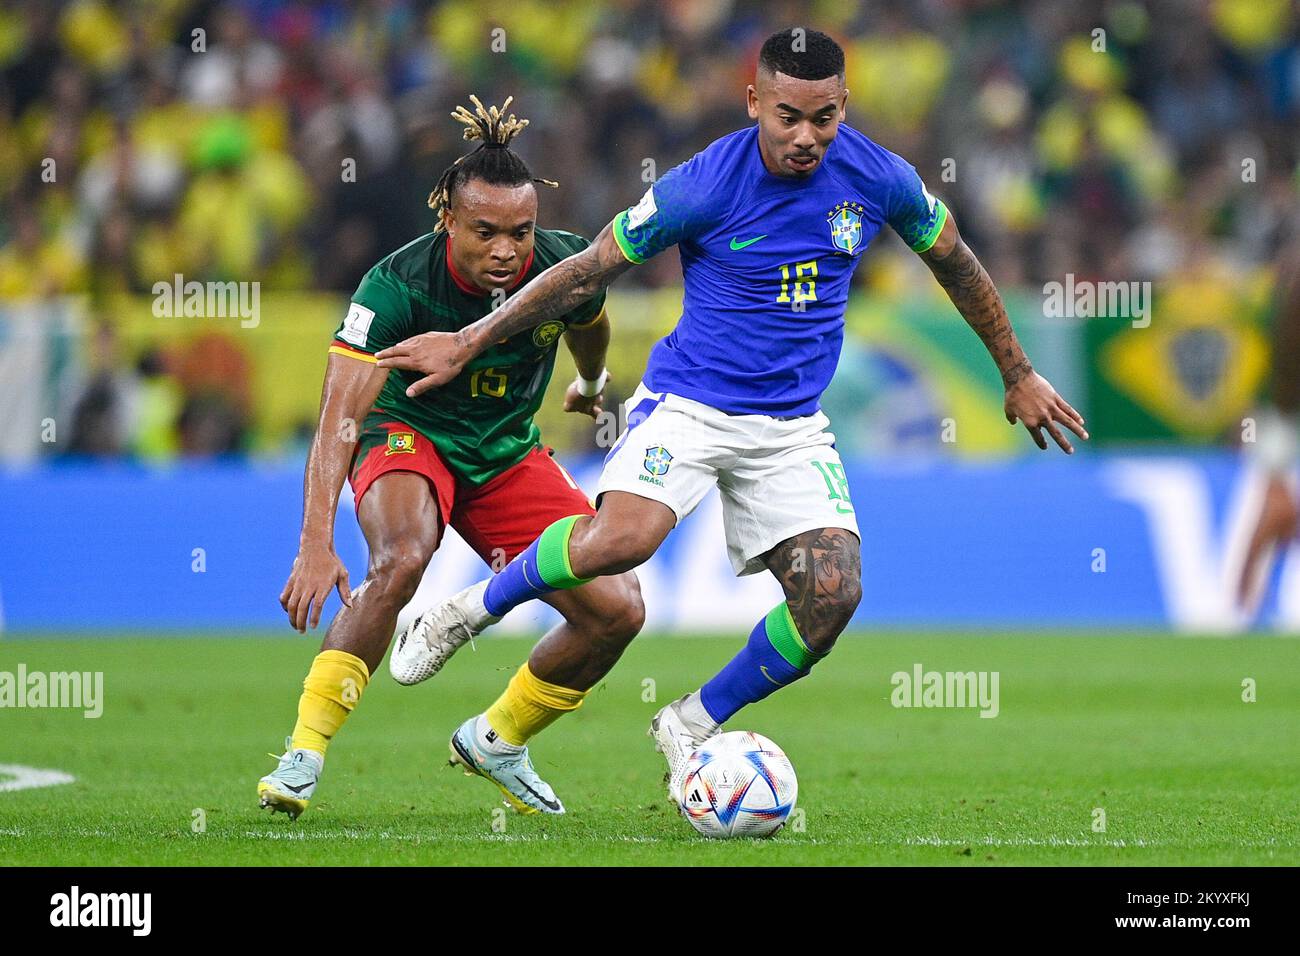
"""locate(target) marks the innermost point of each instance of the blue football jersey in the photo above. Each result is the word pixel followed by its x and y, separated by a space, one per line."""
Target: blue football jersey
pixel 767 262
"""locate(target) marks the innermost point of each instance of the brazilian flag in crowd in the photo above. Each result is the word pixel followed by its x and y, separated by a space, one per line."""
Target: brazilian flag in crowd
pixel 1188 372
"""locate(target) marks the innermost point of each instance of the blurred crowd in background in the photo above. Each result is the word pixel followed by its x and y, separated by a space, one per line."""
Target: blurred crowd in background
pixel 215 139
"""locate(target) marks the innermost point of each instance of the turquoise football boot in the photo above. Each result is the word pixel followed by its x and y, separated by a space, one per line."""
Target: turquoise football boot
pixel 513 773
pixel 289 787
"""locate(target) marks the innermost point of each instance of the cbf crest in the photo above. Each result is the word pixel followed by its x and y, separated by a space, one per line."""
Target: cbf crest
pixel 845 221
pixel 657 460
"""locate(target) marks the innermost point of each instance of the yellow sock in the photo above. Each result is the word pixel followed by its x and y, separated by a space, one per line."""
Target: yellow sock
pixel 530 705
pixel 332 688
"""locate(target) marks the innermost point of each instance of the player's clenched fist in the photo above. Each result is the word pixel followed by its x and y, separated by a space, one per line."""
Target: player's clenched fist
pixel 575 401
pixel 593 405
pixel 315 573
pixel 439 355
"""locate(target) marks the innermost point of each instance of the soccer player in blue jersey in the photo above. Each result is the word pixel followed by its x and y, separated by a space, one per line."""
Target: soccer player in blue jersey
pixel 769 222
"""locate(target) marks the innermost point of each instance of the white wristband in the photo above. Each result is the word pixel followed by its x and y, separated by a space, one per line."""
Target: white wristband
pixel 591 387
pixel 1277 442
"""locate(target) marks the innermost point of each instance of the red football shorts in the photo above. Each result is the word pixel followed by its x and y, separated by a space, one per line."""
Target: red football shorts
pixel 498 519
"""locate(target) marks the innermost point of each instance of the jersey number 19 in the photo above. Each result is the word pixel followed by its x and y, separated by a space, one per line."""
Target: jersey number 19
pixel 805 285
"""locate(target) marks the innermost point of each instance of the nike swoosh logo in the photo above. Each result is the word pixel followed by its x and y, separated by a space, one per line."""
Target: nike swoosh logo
pixel 552 804
pixel 737 246
pixel 289 786
pixel 471 755
pixel 763 668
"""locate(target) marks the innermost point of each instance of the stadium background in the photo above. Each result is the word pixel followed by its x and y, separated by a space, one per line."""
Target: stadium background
pixel 150 467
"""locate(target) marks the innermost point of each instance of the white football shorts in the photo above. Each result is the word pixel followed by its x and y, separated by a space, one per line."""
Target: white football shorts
pixel 777 477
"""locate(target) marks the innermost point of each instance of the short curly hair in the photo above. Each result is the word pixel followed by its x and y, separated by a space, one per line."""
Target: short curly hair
pixel 802 54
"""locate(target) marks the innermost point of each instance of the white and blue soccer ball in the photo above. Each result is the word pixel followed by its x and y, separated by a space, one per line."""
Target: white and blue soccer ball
pixel 738 784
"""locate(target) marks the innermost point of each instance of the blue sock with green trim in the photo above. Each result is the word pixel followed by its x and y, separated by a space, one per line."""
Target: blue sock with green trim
pixel 539 569
pixel 774 656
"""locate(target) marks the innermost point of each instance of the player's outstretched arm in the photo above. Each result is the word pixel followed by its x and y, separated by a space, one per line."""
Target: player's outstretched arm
pixel 588 344
pixel 561 288
pixel 350 389
pixel 1030 398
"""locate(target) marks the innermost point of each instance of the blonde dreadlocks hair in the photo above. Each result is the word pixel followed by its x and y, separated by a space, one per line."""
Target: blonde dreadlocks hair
pixel 493 161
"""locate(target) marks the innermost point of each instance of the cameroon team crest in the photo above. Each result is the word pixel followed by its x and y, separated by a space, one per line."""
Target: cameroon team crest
pixel 657 460
pixel 401 443
pixel 547 333
pixel 845 221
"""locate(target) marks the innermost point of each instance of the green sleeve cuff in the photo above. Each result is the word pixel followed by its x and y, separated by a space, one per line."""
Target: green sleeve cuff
pixel 624 244
pixel 930 238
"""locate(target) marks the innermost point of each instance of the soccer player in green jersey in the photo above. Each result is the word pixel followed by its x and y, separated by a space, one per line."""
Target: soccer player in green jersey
pixel 467 455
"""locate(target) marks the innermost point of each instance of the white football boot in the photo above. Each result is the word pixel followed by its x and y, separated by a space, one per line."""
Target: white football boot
pixel 677 737
pixel 290 786
pixel 429 641
pixel 512 772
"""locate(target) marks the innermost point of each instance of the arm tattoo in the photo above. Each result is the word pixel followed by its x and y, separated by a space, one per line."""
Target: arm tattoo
pixel 976 298
pixel 558 290
pixel 820 572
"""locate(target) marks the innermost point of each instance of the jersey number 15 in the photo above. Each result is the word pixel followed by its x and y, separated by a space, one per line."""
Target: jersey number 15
pixel 487 381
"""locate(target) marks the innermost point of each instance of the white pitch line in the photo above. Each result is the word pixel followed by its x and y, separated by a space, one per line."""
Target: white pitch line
pixel 1080 842
pixel 28 778
pixel 387 836
pixel 1072 842
pixel 1033 841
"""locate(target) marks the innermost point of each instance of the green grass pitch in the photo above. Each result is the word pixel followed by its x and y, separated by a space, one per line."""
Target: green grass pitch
pixel 1151 729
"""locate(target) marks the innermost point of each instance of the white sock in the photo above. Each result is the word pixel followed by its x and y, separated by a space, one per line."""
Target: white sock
pixel 691 710
pixel 488 740
pixel 313 757
pixel 479 616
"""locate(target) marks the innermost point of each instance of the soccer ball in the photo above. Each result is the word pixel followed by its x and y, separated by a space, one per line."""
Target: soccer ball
pixel 738 784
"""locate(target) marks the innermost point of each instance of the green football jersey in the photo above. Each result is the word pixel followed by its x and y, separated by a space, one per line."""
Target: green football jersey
pixel 481 422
